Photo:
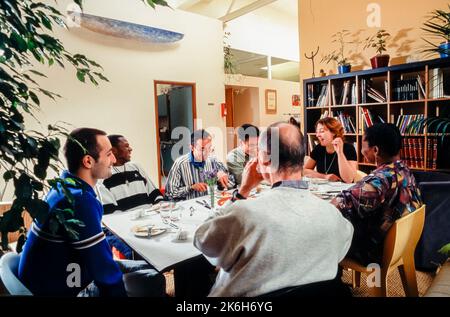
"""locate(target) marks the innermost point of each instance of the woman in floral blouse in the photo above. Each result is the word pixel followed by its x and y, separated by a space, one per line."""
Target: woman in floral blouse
pixel 373 204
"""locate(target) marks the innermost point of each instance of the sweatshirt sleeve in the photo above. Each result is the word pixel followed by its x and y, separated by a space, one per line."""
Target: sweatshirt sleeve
pixel 220 239
pixel 94 251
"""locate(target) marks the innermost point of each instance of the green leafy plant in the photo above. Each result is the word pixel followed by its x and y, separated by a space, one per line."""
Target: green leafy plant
pixel 26 155
pixel 437 28
pixel 445 250
pixel 338 55
pixel 377 41
pixel 229 64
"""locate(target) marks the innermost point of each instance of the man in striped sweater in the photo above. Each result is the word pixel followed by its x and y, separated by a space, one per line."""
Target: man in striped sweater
pixel 127 189
pixel 186 178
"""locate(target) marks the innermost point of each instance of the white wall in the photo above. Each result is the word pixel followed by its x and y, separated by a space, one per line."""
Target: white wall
pixel 258 33
pixel 270 30
pixel 285 90
pixel 126 104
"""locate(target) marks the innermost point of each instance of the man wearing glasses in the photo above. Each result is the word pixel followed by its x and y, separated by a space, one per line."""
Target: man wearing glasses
pixel 187 177
pixel 248 148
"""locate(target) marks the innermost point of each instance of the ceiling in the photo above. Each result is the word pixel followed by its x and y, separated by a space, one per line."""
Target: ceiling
pixel 248 63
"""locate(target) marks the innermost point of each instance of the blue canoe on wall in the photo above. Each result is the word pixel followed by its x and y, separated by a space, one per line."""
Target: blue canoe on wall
pixel 124 29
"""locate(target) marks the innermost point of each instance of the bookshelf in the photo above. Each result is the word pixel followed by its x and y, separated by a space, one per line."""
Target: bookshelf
pixel 400 94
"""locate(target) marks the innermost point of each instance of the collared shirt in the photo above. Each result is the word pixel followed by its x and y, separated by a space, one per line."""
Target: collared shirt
pixel 184 174
pixel 374 204
pixel 49 258
pixel 236 161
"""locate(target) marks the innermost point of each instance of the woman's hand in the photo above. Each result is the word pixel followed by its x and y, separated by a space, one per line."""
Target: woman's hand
pixel 332 178
pixel 338 145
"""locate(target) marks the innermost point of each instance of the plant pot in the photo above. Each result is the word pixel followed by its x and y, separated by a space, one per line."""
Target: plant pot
pixel 444 50
pixel 380 61
pixel 342 69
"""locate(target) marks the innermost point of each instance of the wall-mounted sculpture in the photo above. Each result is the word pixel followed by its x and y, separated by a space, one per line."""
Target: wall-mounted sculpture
pixel 124 29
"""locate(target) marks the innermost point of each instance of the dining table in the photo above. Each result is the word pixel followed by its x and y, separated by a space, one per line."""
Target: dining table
pixel 172 241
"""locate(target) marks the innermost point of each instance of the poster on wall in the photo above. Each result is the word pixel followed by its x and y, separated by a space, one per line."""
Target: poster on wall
pixel 271 101
pixel 295 100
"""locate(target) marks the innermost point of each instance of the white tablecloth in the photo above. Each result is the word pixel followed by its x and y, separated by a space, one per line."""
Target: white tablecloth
pixel 164 250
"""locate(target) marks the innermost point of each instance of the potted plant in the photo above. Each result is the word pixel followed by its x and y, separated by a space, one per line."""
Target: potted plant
pixel 378 41
pixel 338 55
pixel 26 155
pixel 437 27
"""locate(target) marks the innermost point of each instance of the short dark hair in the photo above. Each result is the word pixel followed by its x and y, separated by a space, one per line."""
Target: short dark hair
pixel 81 142
pixel 291 150
pixel 114 139
pixel 247 131
pixel 199 135
pixel 386 136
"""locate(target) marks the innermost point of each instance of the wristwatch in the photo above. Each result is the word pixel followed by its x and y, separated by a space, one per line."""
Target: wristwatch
pixel 237 196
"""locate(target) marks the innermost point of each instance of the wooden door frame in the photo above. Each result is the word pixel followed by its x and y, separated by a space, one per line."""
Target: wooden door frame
pixel 194 115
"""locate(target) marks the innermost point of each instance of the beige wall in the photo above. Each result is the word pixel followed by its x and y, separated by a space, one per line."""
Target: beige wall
pixel 319 19
pixel 285 90
pixel 126 104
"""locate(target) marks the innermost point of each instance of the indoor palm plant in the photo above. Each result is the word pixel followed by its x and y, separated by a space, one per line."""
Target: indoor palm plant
pixel 338 55
pixel 437 28
pixel 378 41
pixel 26 39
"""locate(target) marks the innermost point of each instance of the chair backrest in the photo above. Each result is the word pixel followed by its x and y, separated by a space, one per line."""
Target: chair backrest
pixel 402 237
pixel 9 265
pixel 359 176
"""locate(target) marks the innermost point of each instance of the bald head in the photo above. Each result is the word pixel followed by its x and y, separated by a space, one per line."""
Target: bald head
pixel 284 143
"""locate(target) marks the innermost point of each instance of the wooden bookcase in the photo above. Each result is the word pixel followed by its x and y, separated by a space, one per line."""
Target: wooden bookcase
pixel 402 94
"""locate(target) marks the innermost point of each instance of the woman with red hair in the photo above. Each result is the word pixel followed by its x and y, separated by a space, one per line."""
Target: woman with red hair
pixel 333 159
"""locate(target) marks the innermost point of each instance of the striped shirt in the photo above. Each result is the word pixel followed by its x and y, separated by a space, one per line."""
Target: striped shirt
pixel 49 260
pixel 128 188
pixel 184 174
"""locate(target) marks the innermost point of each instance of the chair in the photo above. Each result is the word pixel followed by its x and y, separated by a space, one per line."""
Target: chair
pixel 436 231
pixel 330 288
pixel 399 246
pixel 9 265
pixel 359 176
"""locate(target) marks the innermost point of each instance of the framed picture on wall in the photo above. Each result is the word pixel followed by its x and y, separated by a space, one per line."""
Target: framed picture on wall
pixel 271 101
pixel 295 100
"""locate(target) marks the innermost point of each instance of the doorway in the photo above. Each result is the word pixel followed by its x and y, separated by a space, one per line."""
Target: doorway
pixel 174 107
pixel 242 107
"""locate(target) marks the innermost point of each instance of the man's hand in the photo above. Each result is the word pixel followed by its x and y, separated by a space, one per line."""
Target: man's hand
pixel 223 179
pixel 332 178
pixel 250 177
pixel 200 187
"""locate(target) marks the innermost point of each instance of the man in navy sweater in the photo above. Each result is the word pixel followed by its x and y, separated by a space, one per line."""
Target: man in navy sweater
pixel 54 264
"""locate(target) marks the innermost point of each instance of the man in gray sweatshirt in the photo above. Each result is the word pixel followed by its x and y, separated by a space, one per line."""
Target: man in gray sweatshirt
pixel 285 237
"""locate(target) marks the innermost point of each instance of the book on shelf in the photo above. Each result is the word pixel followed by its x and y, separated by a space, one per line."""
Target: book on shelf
pixel 312 142
pixel 405 123
pixel 346 120
pixel 375 95
pixel 439 83
pixel 412 152
pixel 406 89
pixel 432 153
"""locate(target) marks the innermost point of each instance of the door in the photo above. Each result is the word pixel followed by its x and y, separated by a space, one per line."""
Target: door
pixel 174 108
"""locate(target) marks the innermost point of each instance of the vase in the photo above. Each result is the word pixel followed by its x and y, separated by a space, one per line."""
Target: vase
pixel 342 69
pixel 380 61
pixel 211 193
pixel 444 50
